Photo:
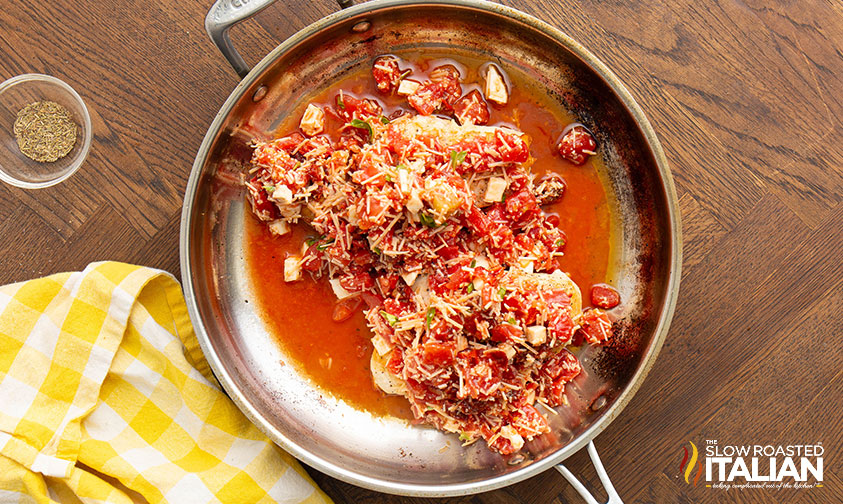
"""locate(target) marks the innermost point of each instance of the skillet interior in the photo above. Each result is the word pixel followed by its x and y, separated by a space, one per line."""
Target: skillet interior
pixel 382 454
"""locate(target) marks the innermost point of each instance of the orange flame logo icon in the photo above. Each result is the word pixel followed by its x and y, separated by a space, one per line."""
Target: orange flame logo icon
pixel 689 468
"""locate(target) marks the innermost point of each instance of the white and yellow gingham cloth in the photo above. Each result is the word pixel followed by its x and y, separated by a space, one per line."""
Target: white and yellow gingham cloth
pixel 105 397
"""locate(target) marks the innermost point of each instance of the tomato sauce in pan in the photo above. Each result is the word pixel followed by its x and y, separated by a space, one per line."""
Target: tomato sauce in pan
pixel 335 356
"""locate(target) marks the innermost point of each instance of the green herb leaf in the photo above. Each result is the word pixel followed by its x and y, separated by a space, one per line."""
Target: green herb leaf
pixel 269 188
pixel 512 321
pixel 427 220
pixel 359 123
pixel 310 241
pixel 388 177
pixel 473 263
pixel 560 242
pixel 390 318
pixel 465 436
pixel 401 166
pixel 457 158
pixel 469 288
pixel 430 313
pixel 384 120
pixel 340 102
pixel 325 245
pixel 377 251
pixel 502 292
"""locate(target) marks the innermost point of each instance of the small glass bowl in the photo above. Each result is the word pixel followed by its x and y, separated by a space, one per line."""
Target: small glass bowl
pixel 15 94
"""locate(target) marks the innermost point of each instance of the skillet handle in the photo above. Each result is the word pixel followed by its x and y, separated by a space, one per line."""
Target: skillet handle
pixel 614 498
pixel 227 13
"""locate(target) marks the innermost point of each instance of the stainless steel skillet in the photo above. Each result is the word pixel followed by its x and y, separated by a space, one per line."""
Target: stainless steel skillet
pixel 384 454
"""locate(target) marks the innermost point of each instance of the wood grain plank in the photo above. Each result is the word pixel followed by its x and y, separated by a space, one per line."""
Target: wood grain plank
pixel 662 489
pixel 811 186
pixel 22 257
pixel 700 231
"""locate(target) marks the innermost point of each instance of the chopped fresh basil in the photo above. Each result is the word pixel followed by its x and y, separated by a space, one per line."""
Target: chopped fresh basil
pixel 427 220
pixel 390 318
pixel 359 123
pixel 325 245
pixel 384 120
pixel 502 292
pixel 473 263
pixel 430 313
pixel 269 188
pixel 340 102
pixel 457 158
pixel 469 288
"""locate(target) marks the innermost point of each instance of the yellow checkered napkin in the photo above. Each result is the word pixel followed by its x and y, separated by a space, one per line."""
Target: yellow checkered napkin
pixel 105 397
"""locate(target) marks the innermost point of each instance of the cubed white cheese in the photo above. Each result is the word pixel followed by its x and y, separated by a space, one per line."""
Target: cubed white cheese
pixel 405 184
pixel 338 289
pixel 495 86
pixel 313 120
pixel 415 202
pixel 481 262
pixel 292 269
pixel 536 335
pixel 526 264
pixel 381 345
pixel 508 350
pixel 509 432
pixel 282 194
pixel 408 87
pixel 279 227
pixel 495 190
pixel 421 288
pixel 410 277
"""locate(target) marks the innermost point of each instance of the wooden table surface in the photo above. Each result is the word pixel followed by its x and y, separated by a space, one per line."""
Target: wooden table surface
pixel 746 96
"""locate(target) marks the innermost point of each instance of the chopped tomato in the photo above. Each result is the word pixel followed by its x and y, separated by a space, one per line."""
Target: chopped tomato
pixel 472 109
pixel 448 78
pixel 506 332
pixel 596 326
pixel 562 366
pixel 521 206
pixel 387 74
pixel 438 354
pixel 258 198
pixel 512 147
pixel 427 98
pixel 350 107
pixel 577 144
pixel 356 282
pixel 345 309
pixel 387 283
pixel 561 327
pixel 604 296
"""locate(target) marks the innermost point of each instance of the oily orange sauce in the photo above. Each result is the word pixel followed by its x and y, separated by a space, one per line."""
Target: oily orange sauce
pixel 336 355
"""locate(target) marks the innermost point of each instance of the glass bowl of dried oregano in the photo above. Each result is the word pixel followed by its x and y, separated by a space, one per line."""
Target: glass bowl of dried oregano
pixel 45 131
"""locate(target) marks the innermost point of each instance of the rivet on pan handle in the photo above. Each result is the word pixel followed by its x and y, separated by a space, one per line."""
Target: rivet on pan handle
pixel 614 498
pixel 227 13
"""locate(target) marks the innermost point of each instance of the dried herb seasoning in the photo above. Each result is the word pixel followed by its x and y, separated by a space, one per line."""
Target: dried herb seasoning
pixel 45 131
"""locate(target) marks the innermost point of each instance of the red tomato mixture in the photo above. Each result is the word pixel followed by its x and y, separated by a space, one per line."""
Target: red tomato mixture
pixel 431 222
